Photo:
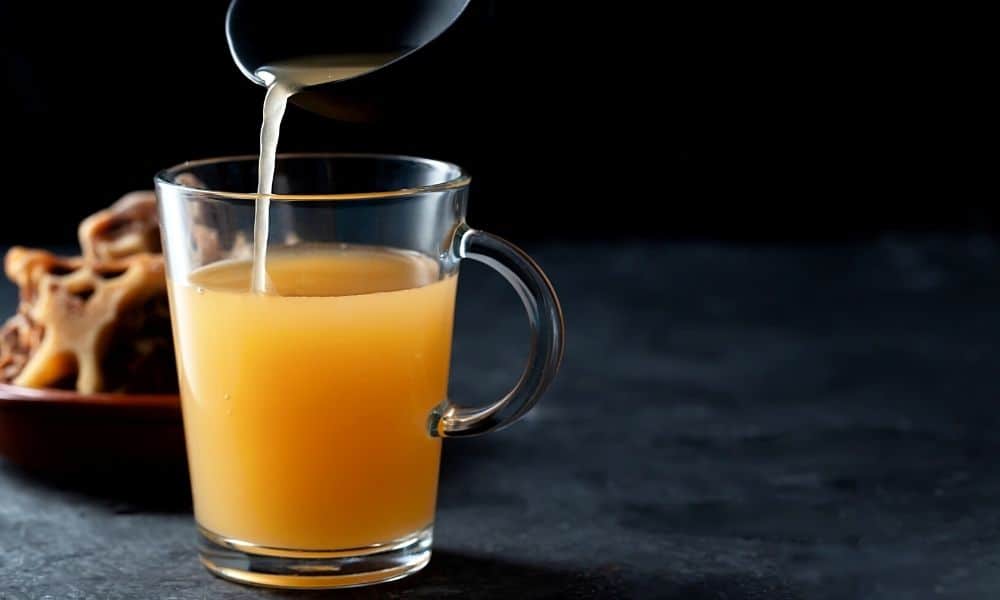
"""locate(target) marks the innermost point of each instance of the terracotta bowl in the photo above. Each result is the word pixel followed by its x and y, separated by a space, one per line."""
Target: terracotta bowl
pixel 67 431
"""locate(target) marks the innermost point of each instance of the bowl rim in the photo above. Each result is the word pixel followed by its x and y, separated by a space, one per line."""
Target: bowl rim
pixel 17 393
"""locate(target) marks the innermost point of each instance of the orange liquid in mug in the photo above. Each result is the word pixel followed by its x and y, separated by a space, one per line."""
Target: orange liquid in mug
pixel 306 409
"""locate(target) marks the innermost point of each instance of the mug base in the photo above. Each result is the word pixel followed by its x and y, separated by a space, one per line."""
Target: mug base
pixel 263 566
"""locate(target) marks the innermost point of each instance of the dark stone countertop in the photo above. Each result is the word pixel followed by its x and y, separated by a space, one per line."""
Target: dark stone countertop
pixel 730 422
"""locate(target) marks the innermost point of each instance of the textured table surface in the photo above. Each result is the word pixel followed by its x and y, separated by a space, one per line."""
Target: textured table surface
pixel 730 422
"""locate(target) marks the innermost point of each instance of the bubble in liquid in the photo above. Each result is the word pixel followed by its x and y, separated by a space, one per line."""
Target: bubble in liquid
pixel 226 397
pixel 200 290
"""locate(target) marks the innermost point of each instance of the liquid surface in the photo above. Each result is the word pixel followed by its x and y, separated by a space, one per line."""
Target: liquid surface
pixel 306 409
pixel 284 80
pixel 307 71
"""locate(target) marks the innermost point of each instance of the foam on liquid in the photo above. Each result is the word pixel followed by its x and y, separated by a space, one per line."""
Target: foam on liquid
pixel 285 79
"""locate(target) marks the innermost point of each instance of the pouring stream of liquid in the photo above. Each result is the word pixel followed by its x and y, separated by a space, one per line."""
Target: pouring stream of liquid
pixel 284 80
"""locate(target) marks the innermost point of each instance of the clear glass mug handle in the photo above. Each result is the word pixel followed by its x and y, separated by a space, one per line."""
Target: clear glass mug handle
pixel 546 351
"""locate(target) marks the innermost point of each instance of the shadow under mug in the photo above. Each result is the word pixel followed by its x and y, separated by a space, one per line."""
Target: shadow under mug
pixel 314 410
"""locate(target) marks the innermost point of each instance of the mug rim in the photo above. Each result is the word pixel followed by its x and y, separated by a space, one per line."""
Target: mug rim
pixel 165 178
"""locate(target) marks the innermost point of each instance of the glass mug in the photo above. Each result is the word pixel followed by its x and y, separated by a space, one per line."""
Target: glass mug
pixel 314 412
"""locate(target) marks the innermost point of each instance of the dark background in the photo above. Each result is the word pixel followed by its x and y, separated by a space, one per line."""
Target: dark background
pixel 576 121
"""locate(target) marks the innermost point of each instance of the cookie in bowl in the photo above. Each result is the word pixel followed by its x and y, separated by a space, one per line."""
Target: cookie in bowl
pixel 88 383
